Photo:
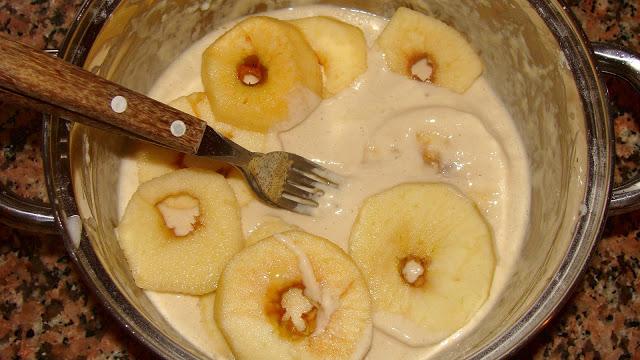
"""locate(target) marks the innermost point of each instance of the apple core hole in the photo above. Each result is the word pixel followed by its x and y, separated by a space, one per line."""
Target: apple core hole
pixel 422 69
pixel 251 72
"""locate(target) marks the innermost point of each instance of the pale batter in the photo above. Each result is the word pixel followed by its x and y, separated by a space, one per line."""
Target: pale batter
pixel 370 133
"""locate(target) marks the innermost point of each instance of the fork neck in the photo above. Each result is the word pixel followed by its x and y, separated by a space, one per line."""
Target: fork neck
pixel 218 147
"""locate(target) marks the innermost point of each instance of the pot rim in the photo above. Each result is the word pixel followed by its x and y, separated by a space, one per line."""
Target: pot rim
pixel 577 51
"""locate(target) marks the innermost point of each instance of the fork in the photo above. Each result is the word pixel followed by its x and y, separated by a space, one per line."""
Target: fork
pixel 33 78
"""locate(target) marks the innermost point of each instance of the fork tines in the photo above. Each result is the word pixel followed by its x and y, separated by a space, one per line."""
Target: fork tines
pixel 305 180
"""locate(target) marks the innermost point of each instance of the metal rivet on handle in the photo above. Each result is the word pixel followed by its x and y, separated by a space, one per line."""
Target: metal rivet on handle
pixel 178 128
pixel 119 104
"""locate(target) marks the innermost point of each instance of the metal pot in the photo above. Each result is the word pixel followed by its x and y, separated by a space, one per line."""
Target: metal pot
pixel 537 59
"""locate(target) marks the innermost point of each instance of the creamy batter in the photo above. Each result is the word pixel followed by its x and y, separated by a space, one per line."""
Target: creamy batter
pixel 382 131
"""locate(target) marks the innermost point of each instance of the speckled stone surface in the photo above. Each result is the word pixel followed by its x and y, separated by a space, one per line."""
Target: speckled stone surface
pixel 48 313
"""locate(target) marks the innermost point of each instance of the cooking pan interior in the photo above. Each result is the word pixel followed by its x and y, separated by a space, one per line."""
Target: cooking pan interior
pixel 523 62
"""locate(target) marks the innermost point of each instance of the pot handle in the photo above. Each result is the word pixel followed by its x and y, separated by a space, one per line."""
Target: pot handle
pixel 621 62
pixel 26 214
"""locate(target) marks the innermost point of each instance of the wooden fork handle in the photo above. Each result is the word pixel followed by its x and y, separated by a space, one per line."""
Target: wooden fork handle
pixel 82 96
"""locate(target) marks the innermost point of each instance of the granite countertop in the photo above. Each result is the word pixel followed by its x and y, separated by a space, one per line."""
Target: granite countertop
pixel 48 313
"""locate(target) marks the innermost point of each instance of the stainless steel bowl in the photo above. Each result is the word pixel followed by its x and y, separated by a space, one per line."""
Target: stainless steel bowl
pixel 536 58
